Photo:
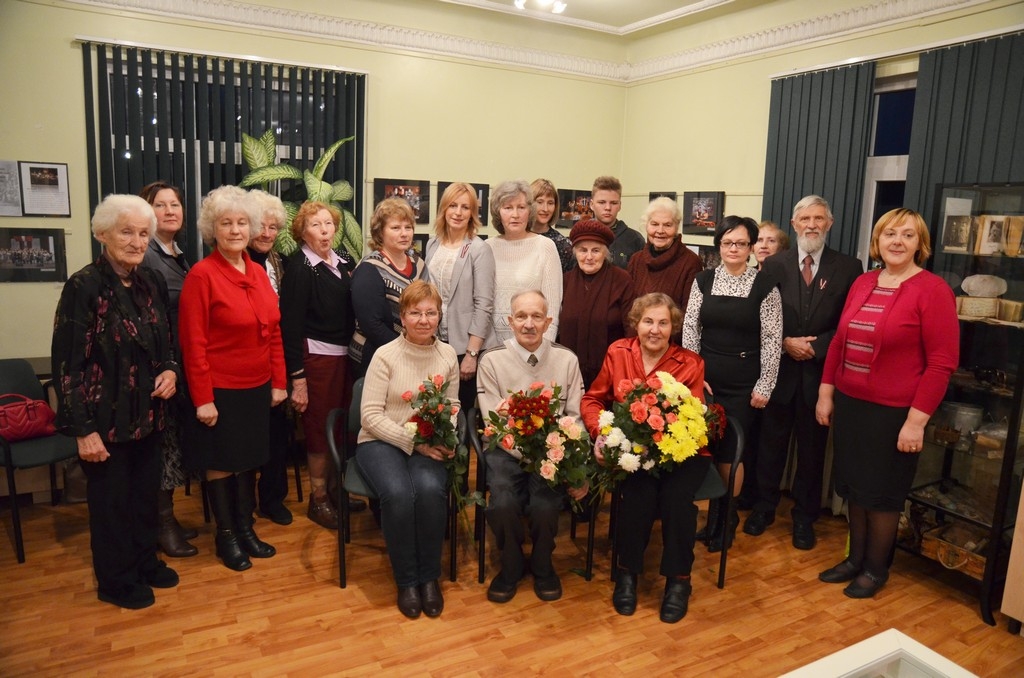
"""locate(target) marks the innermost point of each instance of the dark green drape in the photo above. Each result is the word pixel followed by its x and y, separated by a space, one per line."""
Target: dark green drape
pixel 968 119
pixel 155 115
pixel 819 127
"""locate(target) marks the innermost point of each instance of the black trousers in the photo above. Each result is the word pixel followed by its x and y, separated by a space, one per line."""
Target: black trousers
pixel 122 496
pixel 773 448
pixel 273 482
pixel 671 495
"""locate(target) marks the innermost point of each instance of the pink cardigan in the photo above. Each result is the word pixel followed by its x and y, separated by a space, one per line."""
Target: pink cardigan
pixel 917 345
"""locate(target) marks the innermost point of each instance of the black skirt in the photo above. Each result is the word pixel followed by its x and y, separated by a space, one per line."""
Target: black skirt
pixel 869 470
pixel 240 440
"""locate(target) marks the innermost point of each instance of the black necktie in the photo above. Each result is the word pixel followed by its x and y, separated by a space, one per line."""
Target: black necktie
pixel 532 360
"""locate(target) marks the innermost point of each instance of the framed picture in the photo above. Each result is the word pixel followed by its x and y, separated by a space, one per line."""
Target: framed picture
pixel 654 195
pixel 573 205
pixel 44 189
pixel 419 243
pixel 702 211
pixel 414 192
pixel 1013 237
pixel 956 234
pixel 709 256
pixel 10 189
pixel 482 193
pixel 990 235
pixel 32 255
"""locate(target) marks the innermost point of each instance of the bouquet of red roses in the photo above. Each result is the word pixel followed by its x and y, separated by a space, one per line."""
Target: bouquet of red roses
pixel 654 424
pixel 527 426
pixel 433 423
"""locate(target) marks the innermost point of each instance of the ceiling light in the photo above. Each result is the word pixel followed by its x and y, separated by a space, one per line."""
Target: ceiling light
pixel 559 7
pixel 556 6
pixel 520 4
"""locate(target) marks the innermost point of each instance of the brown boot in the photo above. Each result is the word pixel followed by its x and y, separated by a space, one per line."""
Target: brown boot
pixel 171 540
pixel 322 512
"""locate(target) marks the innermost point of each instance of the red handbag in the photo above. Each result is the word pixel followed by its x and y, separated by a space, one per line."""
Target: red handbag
pixel 25 418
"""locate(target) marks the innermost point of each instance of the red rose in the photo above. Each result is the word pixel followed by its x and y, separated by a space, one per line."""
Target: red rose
pixel 425 428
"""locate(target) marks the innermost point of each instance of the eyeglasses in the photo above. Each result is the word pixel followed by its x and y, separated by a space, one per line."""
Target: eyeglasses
pixel 419 315
pixel 734 244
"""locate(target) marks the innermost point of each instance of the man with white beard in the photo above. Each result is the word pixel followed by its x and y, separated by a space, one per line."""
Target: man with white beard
pixel 814 281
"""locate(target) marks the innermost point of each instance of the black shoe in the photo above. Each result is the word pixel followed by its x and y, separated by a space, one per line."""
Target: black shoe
pixel 624 596
pixel 841 573
pixel 134 597
pixel 253 545
pixel 160 576
pixel 725 535
pixel 230 551
pixel 431 598
pixel 547 588
pixel 744 503
pixel 757 522
pixel 409 601
pixel 803 536
pixel 500 590
pixel 356 505
pixel 676 600
pixel 276 514
pixel 875 582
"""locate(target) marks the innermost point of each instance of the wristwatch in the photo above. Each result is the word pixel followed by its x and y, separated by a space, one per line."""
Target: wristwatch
pixel 472 354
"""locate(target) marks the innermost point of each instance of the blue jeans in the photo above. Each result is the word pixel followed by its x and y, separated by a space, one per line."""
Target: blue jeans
pixel 413 493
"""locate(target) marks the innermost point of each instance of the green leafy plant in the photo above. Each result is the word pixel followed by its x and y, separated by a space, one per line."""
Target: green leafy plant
pixel 260 155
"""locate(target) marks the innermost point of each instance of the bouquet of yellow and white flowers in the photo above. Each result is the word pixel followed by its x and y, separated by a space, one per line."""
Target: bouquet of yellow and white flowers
pixel 527 426
pixel 653 425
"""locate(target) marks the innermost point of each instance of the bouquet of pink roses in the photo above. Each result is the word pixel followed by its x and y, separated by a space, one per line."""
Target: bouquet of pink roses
pixel 527 426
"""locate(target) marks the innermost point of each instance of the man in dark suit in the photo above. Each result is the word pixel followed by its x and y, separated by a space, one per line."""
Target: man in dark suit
pixel 814 281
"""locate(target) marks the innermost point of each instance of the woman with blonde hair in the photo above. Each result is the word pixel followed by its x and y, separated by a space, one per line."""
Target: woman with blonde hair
pixel 462 267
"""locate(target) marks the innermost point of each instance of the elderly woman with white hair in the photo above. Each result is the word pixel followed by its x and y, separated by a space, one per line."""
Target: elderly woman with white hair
pixel 234 362
pixel 665 264
pixel 113 359
pixel 522 260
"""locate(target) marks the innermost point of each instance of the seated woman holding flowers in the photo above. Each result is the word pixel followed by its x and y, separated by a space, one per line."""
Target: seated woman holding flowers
pixel 409 477
pixel 651 487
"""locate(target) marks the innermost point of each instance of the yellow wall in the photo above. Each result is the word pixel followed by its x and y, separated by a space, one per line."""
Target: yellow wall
pixel 442 118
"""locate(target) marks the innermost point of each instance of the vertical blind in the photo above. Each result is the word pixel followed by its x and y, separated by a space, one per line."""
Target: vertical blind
pixel 819 127
pixel 159 115
pixel 968 119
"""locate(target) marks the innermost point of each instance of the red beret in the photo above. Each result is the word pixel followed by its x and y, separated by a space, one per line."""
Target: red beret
pixel 591 229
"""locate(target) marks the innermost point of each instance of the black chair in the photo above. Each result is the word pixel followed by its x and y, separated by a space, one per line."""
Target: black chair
pixel 17 376
pixel 350 480
pixel 711 487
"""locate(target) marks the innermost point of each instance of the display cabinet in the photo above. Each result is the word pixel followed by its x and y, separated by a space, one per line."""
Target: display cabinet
pixel 963 504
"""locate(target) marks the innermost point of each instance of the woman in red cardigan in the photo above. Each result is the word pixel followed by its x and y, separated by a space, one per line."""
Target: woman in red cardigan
pixel 656 320
pixel 897 344
pixel 229 324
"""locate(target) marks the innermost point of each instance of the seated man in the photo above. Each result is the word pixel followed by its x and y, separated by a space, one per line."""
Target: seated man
pixel 526 358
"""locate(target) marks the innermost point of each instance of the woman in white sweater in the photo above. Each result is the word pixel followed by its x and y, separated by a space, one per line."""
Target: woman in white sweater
pixel 410 479
pixel 522 260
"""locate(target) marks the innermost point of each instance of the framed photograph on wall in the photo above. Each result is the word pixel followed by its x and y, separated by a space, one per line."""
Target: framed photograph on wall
pixel 654 195
pixel 10 189
pixel 702 211
pixel 482 192
pixel 414 192
pixel 44 189
pixel 709 256
pixel 990 235
pixel 419 243
pixel 573 206
pixel 32 255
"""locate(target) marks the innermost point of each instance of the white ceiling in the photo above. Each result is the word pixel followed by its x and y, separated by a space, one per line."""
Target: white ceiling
pixel 619 17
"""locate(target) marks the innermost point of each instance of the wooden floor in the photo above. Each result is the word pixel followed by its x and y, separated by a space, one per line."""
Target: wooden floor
pixel 287 616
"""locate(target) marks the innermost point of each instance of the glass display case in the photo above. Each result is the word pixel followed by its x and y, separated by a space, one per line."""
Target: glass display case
pixel 964 500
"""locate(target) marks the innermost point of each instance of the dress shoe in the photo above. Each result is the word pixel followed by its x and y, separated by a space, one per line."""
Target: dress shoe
pixel 321 512
pixel 253 545
pixel 875 582
pixel 501 590
pixel 624 596
pixel 276 514
pixel 803 536
pixel 160 576
pixel 757 522
pixel 230 551
pixel 841 573
pixel 676 599
pixel 133 597
pixel 431 598
pixel 409 602
pixel 547 588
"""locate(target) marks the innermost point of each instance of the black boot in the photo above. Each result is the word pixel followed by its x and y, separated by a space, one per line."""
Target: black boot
pixel 222 504
pixel 251 544
pixel 726 531
pixel 712 527
pixel 171 540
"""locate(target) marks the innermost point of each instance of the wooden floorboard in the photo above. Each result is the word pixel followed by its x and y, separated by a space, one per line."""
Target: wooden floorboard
pixel 287 617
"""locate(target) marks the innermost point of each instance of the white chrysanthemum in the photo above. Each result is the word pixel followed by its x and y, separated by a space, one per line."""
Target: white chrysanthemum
pixel 648 465
pixel 614 438
pixel 605 418
pixel 629 462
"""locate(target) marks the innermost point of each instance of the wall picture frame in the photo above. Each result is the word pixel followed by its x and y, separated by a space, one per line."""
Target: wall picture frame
pixel 654 195
pixel 416 192
pixel 419 243
pixel 573 206
pixel 32 255
pixel 702 211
